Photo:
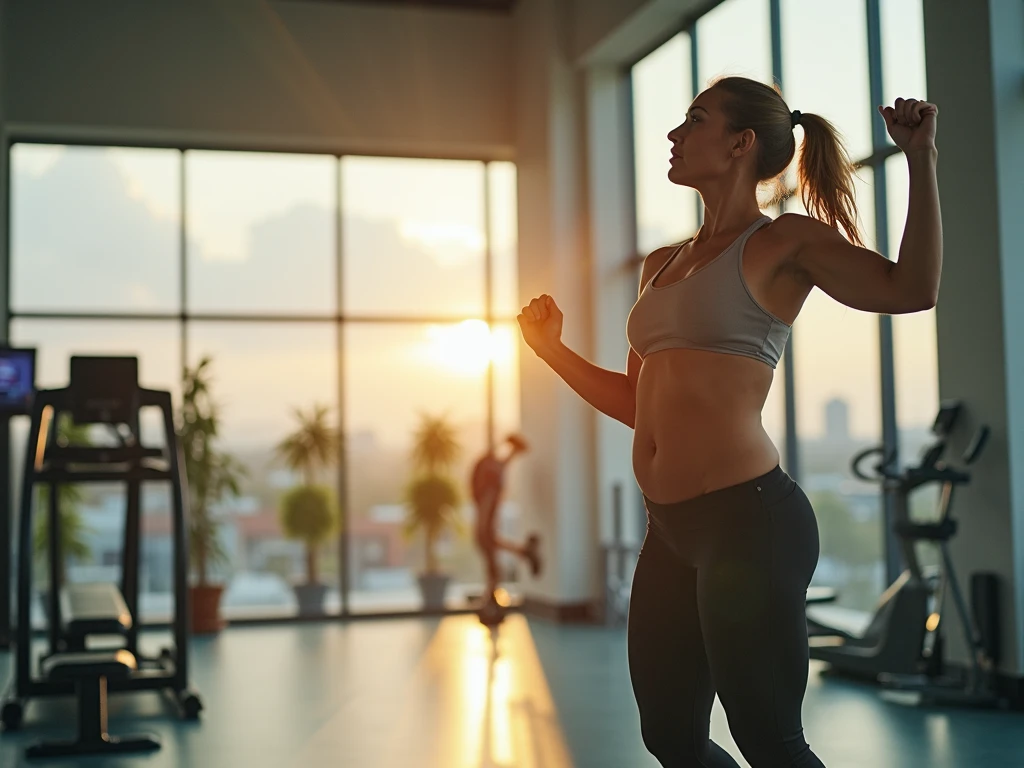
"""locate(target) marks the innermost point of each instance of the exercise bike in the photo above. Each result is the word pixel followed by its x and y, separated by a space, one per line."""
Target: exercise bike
pixel 902 647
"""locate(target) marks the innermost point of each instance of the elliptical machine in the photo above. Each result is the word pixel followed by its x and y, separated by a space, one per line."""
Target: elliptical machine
pixel 902 647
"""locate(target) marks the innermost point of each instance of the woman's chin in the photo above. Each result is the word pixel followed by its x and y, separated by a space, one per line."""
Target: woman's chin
pixel 677 176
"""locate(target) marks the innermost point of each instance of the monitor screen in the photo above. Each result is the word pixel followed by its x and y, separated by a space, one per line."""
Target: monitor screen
pixel 17 380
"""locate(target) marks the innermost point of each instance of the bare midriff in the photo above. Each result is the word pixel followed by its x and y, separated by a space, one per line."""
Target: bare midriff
pixel 698 423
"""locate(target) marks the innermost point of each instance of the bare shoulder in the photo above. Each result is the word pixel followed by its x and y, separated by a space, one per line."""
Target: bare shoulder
pixel 799 230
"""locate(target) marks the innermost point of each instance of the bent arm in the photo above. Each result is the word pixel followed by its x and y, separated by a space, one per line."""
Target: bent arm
pixel 608 391
pixel 611 392
pixel 863 279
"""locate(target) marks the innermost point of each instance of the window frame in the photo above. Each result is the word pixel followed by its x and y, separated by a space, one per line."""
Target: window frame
pixel 184 318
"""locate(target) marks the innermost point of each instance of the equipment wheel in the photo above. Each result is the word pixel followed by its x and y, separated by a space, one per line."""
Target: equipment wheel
pixel 12 714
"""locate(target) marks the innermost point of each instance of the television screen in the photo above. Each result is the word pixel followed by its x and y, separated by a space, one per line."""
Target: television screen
pixel 17 380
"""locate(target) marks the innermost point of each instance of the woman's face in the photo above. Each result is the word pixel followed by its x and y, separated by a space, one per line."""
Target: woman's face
pixel 703 148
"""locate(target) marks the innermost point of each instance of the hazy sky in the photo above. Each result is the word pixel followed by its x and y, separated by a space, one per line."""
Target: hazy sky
pixel 835 348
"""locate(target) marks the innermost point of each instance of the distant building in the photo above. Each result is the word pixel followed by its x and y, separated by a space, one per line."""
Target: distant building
pixel 837 421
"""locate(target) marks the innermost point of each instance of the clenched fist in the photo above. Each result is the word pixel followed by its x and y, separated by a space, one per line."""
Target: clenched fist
pixel 911 123
pixel 541 324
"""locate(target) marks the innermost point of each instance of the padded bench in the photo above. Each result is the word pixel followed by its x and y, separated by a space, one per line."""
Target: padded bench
pixel 90 672
pixel 818 595
pixel 92 609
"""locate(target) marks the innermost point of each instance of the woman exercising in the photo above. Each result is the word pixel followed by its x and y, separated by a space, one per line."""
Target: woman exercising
pixel 718 596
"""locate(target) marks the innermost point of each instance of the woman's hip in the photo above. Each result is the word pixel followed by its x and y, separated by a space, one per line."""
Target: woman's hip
pixel 757 520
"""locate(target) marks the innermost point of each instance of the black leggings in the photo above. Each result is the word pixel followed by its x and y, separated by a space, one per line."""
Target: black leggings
pixel 717 605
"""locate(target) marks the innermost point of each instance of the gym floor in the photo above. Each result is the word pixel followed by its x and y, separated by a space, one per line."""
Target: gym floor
pixel 430 693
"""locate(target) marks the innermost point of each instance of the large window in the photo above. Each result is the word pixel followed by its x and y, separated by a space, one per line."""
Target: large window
pixel 835 354
pixel 375 290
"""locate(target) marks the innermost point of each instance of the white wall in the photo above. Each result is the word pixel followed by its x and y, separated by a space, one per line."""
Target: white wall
pixel 979 315
pixel 316 75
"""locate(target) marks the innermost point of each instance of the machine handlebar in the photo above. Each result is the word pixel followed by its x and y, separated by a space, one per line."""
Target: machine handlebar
pixel 930 468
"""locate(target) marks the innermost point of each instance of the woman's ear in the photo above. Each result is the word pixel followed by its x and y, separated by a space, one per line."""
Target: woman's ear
pixel 744 142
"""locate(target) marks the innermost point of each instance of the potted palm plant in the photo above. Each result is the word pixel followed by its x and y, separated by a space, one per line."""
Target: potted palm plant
pixel 212 475
pixel 432 501
pixel 309 512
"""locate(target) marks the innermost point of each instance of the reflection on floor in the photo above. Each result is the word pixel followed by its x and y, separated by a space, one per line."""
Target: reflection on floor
pixel 428 693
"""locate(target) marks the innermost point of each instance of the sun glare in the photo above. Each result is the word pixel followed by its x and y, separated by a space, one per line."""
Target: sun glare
pixel 469 346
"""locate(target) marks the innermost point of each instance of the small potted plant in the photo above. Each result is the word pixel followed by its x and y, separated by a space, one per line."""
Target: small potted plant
pixel 212 475
pixel 432 501
pixel 309 512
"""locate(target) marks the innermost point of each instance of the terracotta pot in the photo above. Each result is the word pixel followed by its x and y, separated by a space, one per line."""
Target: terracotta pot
pixel 205 609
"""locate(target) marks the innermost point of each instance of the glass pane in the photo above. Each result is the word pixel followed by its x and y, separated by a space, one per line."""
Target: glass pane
pixel 99 509
pixel 818 64
pixel 397 375
pixel 414 237
pixel 735 39
pixel 662 92
pixel 261 232
pixel 836 365
pixel 915 349
pixel 261 373
pixel 94 229
pixel 504 239
pixel 903 72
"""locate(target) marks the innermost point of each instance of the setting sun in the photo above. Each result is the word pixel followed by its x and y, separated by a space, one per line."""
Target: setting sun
pixel 469 346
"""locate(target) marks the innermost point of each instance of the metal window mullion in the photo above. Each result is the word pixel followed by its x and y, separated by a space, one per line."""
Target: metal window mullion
pixel 792 446
pixel 890 434
pixel 489 300
pixel 342 472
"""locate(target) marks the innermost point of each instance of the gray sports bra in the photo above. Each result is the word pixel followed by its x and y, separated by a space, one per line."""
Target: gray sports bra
pixel 712 309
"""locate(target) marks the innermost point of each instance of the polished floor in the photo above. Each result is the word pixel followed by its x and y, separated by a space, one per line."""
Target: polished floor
pixel 422 693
